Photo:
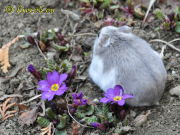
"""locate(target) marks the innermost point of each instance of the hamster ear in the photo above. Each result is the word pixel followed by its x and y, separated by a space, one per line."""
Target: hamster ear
pixel 125 29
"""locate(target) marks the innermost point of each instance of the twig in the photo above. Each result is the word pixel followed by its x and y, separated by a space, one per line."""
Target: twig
pixel 162 51
pixel 149 8
pixel 84 34
pixel 10 96
pixel 174 40
pixel 167 43
pixel 31 99
pixel 73 117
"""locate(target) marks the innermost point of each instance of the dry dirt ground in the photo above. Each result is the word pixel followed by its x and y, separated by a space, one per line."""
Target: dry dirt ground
pixel 163 120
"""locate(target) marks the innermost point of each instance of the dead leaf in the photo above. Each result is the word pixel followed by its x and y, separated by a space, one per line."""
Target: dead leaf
pixel 75 128
pixel 42 46
pixel 22 107
pixel 28 117
pixel 4 55
pixel 4 107
pixel 47 130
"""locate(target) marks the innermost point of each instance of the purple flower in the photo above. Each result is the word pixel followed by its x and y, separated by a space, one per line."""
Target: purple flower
pixel 78 99
pixel 31 68
pixel 34 72
pixel 115 95
pixel 95 124
pixel 53 85
pixel 98 125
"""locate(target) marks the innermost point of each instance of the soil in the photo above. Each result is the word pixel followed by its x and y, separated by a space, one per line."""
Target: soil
pixel 164 118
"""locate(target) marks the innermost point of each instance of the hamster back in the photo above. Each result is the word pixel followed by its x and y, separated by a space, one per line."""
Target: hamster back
pixel 120 57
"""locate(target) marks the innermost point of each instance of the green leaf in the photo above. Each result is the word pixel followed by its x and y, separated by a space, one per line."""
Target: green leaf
pixel 105 109
pixel 90 119
pixel 43 122
pixel 158 14
pixel 60 48
pixel 106 3
pixel 177 28
pixel 139 13
pixel 63 121
pixel 83 111
pixel 114 7
pixel 50 114
pixel 177 11
pixel 66 65
pixel 94 2
pixel 60 132
pixel 52 65
pixel 48 35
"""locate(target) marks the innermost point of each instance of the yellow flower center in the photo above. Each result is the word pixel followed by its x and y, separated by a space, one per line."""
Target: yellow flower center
pixel 54 87
pixel 117 98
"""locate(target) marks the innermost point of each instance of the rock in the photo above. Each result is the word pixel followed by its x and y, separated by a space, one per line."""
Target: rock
pixel 175 91
pixel 141 119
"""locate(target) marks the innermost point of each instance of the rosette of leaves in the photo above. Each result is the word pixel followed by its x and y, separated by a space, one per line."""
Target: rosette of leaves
pixel 104 114
pixel 48 36
pixel 60 121
pixel 51 66
pixel 55 39
pixel 65 66
pixel 95 113
pixel 84 111
pixel 170 21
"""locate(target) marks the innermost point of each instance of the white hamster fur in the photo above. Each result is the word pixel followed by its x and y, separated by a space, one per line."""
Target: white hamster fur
pixel 120 57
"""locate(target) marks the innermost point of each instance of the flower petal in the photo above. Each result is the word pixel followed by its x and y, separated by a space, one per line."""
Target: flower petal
pixel 95 124
pixel 121 102
pixel 118 90
pixel 74 95
pixel 53 77
pixel 105 100
pixel 110 93
pixel 47 95
pixel 79 95
pixel 61 90
pixel 43 85
pixel 127 96
pixel 63 77
pixel 83 101
pixel 76 101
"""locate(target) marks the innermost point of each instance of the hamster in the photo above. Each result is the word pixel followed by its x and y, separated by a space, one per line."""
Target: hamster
pixel 122 58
